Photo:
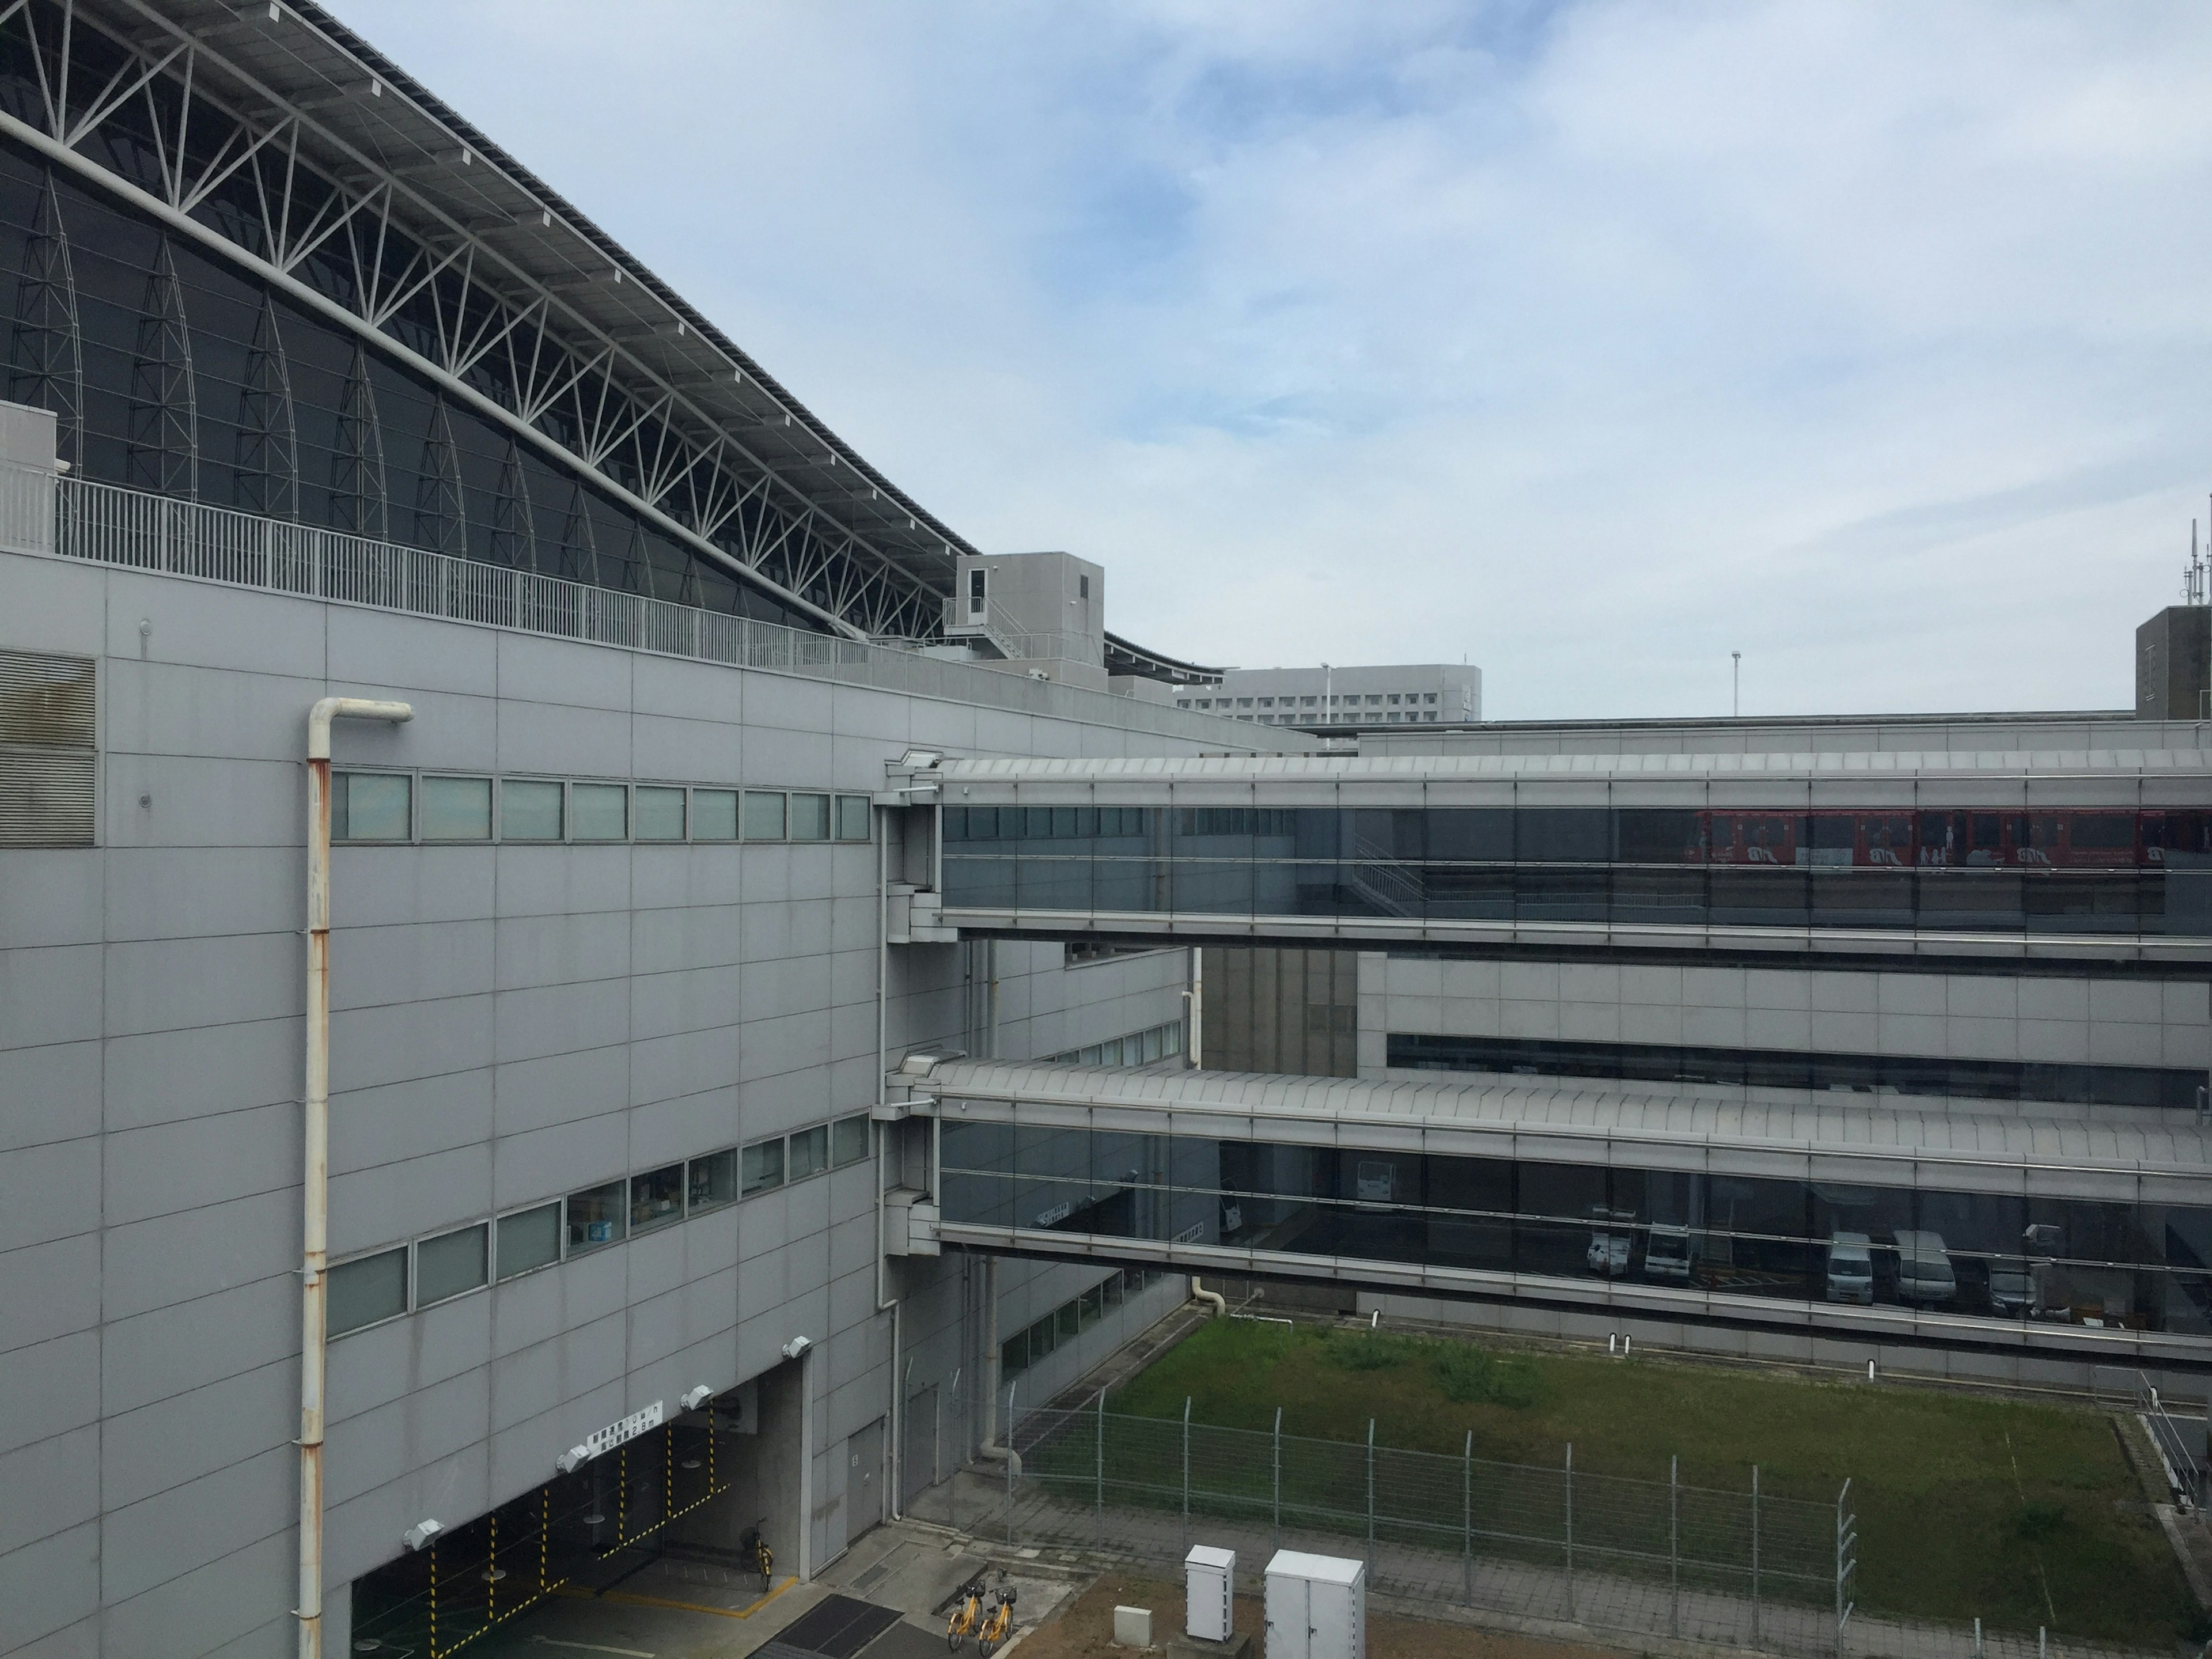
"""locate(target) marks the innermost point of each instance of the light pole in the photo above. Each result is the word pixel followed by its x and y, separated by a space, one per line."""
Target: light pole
pixel 1735 684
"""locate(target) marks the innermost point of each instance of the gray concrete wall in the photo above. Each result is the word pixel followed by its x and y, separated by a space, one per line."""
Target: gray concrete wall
pixel 511 1023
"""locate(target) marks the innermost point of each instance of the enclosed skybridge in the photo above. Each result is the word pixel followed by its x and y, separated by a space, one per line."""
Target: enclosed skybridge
pixel 2094 855
pixel 2049 1231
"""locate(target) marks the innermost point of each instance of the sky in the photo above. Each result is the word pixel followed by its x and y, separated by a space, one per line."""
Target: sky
pixel 1586 342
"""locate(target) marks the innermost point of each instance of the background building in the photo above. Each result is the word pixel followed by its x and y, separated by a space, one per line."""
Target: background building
pixel 1408 694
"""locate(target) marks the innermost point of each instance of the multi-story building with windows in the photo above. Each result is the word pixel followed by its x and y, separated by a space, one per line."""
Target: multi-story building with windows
pixel 1348 699
pixel 511 833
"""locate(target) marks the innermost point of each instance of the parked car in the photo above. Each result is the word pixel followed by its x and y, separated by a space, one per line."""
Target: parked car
pixel 1850 1268
pixel 1608 1254
pixel 1924 1268
pixel 1667 1253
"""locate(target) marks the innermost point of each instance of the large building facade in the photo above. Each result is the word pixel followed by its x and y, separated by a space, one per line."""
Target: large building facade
pixel 735 828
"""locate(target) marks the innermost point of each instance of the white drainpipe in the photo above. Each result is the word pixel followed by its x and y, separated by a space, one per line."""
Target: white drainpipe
pixel 316 1097
pixel 882 1131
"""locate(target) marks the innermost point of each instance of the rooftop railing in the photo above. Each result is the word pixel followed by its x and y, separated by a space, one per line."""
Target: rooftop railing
pixel 107 524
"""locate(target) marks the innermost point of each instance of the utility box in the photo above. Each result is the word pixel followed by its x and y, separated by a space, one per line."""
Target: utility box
pixel 1316 1606
pixel 1209 1590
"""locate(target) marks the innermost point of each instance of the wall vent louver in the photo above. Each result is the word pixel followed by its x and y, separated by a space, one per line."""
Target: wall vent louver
pixel 47 771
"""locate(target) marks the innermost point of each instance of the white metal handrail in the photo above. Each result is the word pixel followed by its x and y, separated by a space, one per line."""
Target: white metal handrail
pixel 109 524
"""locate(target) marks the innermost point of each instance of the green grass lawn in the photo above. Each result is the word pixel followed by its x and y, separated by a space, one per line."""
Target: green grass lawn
pixel 1968 1507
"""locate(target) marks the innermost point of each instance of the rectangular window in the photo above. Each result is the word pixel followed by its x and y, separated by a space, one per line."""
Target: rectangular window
pixel 1394 698
pixel 599 812
pixel 1182 702
pixel 1266 703
pixel 1429 697
pixel 371 807
pixel 810 817
pixel 457 808
pixel 810 1152
pixel 1206 702
pixel 1013 1354
pixel 1307 702
pixel 1083 586
pixel 450 1264
pixel 1374 700
pixel 1244 702
pixel 714 815
pixel 761 1166
pixel 851 818
pixel 660 813
pixel 529 809
pixel 528 1239
pixel 367 1290
pixel 848 1139
pixel 595 1217
pixel 656 1199
pixel 713 1181
pixel 763 815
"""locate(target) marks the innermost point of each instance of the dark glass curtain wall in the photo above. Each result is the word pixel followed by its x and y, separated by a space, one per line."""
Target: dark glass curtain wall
pixel 2000 1254
pixel 2048 870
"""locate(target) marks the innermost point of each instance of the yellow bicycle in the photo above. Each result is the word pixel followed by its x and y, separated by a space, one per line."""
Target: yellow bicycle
pixel 968 1618
pixel 998 1628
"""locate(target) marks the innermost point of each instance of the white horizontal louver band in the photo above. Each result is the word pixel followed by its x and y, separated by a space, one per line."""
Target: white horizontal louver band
pixel 47 772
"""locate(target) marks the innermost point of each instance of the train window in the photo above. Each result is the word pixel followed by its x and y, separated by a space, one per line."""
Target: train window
pixel 1657 836
pixel 2101 832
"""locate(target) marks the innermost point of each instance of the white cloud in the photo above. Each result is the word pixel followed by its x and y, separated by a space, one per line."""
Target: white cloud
pixel 1592 342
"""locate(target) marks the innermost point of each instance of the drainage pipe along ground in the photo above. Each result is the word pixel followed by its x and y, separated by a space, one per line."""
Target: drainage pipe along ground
pixel 316 1139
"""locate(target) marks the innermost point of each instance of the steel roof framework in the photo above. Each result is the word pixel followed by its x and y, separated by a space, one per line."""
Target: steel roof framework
pixel 275 132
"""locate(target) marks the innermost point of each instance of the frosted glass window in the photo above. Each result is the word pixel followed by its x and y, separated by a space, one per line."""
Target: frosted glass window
pixel 851 818
pixel 457 808
pixel 762 1165
pixel 599 812
pixel 810 1152
pixel 810 817
pixel 763 815
pixel 450 1264
pixel 371 806
pixel 660 813
pixel 367 1290
pixel 529 1238
pixel 529 810
pixel 714 815
pixel 850 1139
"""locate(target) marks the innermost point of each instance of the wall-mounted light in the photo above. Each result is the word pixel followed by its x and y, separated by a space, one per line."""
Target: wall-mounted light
pixel 797 1345
pixel 422 1532
pixel 573 1459
pixel 695 1398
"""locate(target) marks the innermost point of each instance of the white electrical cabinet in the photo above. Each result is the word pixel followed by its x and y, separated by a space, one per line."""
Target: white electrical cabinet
pixel 1209 1587
pixel 1316 1606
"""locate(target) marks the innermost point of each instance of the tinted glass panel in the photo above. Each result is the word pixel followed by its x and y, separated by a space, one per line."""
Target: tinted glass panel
pixel 761 1166
pixel 457 808
pixel 810 1152
pixel 764 819
pixel 713 1180
pixel 371 806
pixel 850 1139
pixel 449 1265
pixel 528 1239
pixel 599 812
pixel 529 810
pixel 810 817
pixel 660 813
pixel 851 818
pixel 714 815
pixel 365 1290
pixel 595 1217
pixel 656 1197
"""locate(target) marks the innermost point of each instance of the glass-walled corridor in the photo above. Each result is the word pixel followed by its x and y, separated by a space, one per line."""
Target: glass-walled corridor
pixel 1992 1240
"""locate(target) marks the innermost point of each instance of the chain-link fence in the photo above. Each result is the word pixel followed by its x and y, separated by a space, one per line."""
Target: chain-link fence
pixel 1554 1546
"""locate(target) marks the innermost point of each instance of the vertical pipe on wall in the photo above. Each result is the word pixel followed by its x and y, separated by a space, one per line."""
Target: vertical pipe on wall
pixel 894 1450
pixel 315 1179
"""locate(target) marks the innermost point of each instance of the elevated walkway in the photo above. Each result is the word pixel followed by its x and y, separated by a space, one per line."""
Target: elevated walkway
pixel 2078 1233
pixel 2065 855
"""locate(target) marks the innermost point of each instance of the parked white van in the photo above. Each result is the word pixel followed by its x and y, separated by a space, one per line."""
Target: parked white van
pixel 1924 1268
pixel 1667 1253
pixel 1850 1268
